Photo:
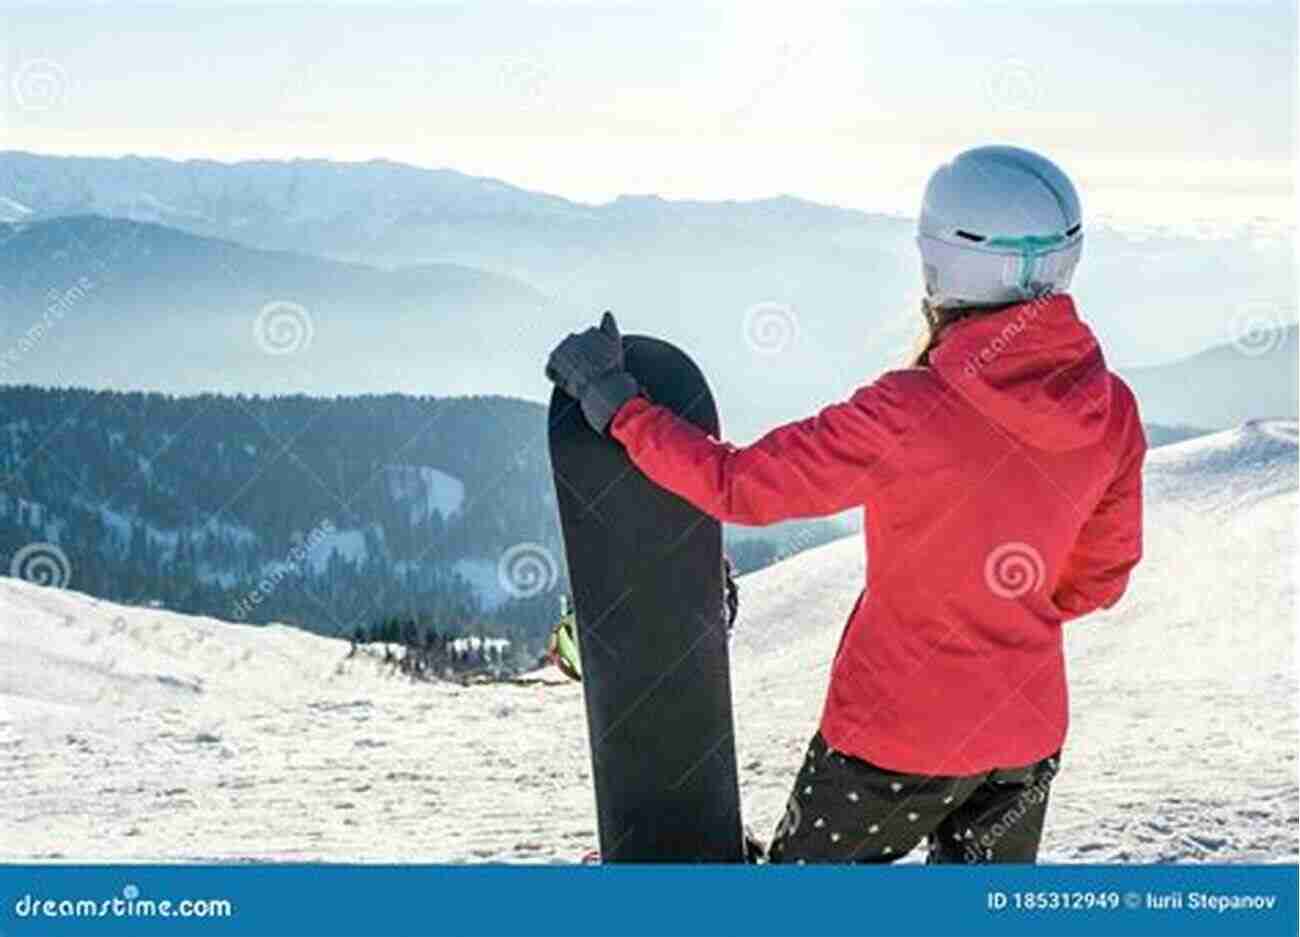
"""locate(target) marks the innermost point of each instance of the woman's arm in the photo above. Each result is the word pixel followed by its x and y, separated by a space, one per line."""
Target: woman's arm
pixel 1110 543
pixel 811 468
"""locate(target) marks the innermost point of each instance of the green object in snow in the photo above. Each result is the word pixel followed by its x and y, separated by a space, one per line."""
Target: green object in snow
pixel 563 647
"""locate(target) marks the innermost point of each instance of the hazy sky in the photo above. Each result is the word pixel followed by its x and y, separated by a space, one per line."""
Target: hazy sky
pixel 1164 110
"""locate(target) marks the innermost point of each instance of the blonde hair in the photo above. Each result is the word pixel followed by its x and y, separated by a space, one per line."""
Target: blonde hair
pixel 937 319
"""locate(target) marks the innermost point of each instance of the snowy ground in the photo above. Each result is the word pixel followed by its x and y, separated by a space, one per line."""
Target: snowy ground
pixel 131 734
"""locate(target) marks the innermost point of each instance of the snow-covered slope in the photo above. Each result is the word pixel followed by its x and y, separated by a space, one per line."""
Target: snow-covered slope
pixel 426 489
pixel 135 734
pixel 1225 471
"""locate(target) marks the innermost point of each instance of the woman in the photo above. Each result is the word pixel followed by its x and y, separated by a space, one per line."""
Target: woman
pixel 1001 481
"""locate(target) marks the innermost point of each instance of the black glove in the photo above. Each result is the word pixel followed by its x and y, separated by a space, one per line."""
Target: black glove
pixel 589 367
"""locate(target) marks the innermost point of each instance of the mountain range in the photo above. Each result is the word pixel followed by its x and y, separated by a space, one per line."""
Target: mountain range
pixel 1224 385
pixel 127 304
pixel 786 304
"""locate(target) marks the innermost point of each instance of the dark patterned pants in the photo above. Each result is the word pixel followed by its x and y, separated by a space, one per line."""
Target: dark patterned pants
pixel 844 809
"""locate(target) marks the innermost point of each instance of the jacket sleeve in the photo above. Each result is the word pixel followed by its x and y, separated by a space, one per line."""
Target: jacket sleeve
pixel 811 468
pixel 1110 543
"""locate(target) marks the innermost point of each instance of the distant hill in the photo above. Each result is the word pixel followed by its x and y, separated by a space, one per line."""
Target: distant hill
pixel 104 302
pixel 1224 385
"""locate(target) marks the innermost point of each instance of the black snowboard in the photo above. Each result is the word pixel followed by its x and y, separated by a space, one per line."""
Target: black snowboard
pixel 646 572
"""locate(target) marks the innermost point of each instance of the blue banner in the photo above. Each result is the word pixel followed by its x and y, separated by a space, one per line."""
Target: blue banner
pixel 573 901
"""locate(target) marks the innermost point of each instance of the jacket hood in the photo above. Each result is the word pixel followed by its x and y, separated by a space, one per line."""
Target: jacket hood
pixel 1033 368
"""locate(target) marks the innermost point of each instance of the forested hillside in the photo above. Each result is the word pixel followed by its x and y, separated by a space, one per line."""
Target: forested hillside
pixel 327 512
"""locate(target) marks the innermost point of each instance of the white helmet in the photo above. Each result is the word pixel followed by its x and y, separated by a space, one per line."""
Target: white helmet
pixel 998 225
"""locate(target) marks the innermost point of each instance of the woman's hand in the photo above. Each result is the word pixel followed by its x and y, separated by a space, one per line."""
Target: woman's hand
pixel 589 367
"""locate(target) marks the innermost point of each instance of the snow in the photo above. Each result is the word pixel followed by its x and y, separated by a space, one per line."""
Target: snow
pixel 428 489
pixel 473 643
pixel 123 523
pixel 130 734
pixel 1227 470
